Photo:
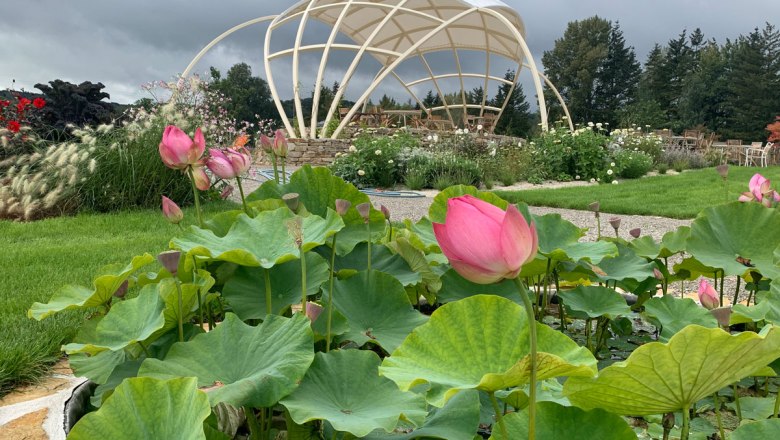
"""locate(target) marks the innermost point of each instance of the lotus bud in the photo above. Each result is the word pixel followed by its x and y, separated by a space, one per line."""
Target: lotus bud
pixel 313 311
pixel 708 297
pixel 657 274
pixel 121 291
pixel 385 212
pixel 292 200
pixel 723 170
pixel 595 207
pixel 364 209
pixel 266 144
pixel 615 222
pixel 170 261
pixel 342 206
pixel 171 211
pixel 636 232
pixel 202 181
pixel 280 144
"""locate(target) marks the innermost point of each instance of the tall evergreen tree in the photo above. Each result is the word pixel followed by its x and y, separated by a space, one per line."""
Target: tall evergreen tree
pixel 516 118
pixel 617 78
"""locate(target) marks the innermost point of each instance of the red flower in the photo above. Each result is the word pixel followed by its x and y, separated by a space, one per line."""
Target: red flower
pixel 24 102
pixel 14 126
pixel 39 103
pixel 4 103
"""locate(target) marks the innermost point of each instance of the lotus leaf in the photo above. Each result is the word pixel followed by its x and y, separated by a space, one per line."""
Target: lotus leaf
pixel 377 309
pixel 261 241
pixel 692 269
pixel 97 368
pixel 735 237
pixel 755 408
pixel 455 287
pixel 381 259
pixel 145 408
pixel 245 290
pixel 768 307
pixel 78 297
pixel 764 429
pixel 673 242
pixel 481 342
pixel 120 373
pixel 556 422
pixel 626 265
pixel 658 378
pixel 559 240
pixel 423 229
pixel 595 301
pixel 253 366
pixel 437 212
pixel 457 420
pixel 415 258
pixel 671 315
pixel 645 246
pixel 343 387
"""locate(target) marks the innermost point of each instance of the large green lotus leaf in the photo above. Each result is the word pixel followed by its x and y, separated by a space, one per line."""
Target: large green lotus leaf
pixel 382 259
pixel 674 242
pixel 557 422
pixel 423 229
pixel 77 297
pixel 128 322
pixel 481 342
pixel 626 265
pixel 765 429
pixel 658 378
pixel 97 368
pixel 120 373
pixel 458 419
pixel 768 307
pixel 454 287
pixel 343 387
pixel 377 309
pixel 261 241
pixel 145 408
pixel 189 294
pixel 754 408
pixel 416 260
pixel 253 366
pixel 245 290
pixel 318 190
pixel 595 301
pixel 645 246
pixel 437 212
pixel 671 314
pixel 692 269
pixel 722 235
pixel 559 240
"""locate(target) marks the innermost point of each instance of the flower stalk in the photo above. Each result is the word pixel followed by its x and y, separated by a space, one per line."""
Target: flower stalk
pixel 532 358
pixel 197 197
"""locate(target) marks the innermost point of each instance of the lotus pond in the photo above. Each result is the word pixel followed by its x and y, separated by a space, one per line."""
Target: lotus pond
pixel 303 318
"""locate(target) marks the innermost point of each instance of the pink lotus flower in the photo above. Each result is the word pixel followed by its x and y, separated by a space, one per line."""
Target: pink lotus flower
pixel 178 151
pixel 280 144
pixel 760 191
pixel 171 211
pixel 200 177
pixel 229 164
pixel 483 243
pixel 708 297
pixel 266 144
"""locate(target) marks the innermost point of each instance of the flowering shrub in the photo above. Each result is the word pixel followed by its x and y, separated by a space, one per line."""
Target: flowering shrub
pixel 631 164
pixel 562 154
pixel 774 130
pixel 374 160
pixel 633 139
pixel 15 119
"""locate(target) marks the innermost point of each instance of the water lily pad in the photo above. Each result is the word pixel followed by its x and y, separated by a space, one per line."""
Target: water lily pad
pixel 670 314
pixel 78 297
pixel 377 309
pixel 764 429
pixel 455 287
pixel 245 290
pixel 127 322
pixel 595 301
pixel 480 342
pixel 735 237
pixel 253 366
pixel 458 419
pixel 145 408
pixel 343 387
pixel 556 422
pixel 437 212
pixel 261 241
pixel 658 378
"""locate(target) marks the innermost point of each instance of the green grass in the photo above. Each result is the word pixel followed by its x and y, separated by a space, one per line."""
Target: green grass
pixel 39 257
pixel 679 196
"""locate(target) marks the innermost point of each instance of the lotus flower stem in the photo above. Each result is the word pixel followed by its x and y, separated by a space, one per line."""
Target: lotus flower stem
pixel 255 431
pixel 777 404
pixel 532 359
pixel 588 326
pixel 598 227
pixel 686 423
pixel 143 347
pixel 736 290
pixel 197 197
pixel 303 279
pixel 737 406
pixel 717 415
pixel 276 167
pixel 499 416
pixel 368 230
pixel 268 301
pixel 284 174
pixel 181 310
pixel 241 191
pixel 330 294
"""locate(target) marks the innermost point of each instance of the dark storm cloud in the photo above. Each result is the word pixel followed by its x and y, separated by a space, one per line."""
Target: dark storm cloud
pixel 126 43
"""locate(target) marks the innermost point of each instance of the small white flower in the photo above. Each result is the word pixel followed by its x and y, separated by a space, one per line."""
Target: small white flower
pixel 465 131
pixel 564 118
pixel 390 161
pixel 459 131
pixel 361 173
pixel 352 149
pixel 598 179
pixel 493 152
pixel 436 138
pixel 614 182
pixel 612 164
pixel 378 152
pixel 577 177
pixel 590 124
pixel 609 172
pixel 598 124
pixel 430 138
pixel 479 127
pixel 592 180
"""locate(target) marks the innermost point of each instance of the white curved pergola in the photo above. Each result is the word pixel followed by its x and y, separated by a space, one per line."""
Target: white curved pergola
pixel 392 32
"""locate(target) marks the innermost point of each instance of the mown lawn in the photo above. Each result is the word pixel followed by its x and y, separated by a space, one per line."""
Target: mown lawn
pixel 677 196
pixel 37 258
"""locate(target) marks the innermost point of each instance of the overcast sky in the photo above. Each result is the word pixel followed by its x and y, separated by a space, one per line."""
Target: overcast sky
pixel 126 43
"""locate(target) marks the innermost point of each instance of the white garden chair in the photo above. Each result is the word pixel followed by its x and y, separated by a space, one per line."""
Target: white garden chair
pixel 758 155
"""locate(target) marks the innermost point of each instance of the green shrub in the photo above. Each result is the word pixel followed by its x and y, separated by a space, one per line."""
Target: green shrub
pixel 561 153
pixel 632 164
pixel 662 168
pixel 633 139
pixel 374 160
